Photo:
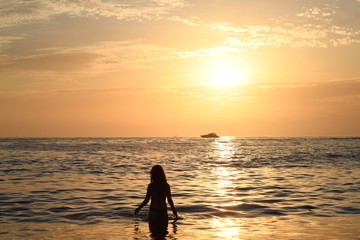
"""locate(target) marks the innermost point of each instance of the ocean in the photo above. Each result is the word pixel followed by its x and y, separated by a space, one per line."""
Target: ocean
pixel 224 188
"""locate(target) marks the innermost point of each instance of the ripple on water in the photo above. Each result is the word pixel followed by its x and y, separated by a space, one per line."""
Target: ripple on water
pixel 349 210
pixel 243 207
pixel 277 200
pixel 273 212
pixel 60 209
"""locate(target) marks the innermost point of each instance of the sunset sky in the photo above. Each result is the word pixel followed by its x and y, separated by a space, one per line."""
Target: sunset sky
pixel 137 68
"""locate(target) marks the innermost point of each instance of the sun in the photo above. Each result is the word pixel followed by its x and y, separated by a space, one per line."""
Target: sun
pixel 226 74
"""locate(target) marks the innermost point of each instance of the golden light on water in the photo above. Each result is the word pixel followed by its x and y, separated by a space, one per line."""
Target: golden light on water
pixel 229 229
pixel 224 180
pixel 224 184
pixel 224 148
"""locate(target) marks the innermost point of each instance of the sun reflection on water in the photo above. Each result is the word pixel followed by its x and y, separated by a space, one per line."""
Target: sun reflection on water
pixel 224 148
pixel 224 181
pixel 224 185
pixel 229 229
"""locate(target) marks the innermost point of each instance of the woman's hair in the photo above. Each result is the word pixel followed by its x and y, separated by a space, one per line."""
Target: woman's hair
pixel 158 175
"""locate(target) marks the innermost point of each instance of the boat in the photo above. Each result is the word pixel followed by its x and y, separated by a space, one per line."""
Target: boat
pixel 210 135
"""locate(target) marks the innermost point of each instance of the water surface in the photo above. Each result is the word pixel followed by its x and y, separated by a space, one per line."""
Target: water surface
pixel 226 188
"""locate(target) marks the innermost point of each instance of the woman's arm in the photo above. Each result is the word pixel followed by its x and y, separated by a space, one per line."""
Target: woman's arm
pixel 146 200
pixel 170 201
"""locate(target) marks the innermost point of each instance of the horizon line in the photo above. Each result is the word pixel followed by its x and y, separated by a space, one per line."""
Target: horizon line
pixel 224 136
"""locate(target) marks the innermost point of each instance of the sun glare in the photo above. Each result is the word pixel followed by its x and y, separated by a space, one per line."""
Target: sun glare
pixel 226 74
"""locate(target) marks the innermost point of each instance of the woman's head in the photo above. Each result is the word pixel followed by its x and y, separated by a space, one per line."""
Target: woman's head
pixel 158 175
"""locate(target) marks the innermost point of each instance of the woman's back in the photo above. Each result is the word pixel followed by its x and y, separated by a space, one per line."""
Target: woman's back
pixel 158 193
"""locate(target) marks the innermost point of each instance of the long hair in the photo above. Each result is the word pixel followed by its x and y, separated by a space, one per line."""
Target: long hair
pixel 158 175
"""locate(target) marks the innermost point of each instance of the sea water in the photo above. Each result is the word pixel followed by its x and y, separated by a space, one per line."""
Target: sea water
pixel 224 188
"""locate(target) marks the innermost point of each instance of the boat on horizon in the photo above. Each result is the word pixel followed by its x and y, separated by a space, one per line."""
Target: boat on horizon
pixel 210 135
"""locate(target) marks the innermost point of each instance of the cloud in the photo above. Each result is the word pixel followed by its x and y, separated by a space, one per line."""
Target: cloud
pixel 15 13
pixel 280 33
pixel 104 57
pixel 55 62
pixel 323 12
pixel 87 60
pixel 173 3
pixel 313 26
pixel 317 24
pixel 217 51
pixel 8 40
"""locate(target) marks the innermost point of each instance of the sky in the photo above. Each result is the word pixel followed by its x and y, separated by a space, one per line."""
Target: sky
pixel 163 68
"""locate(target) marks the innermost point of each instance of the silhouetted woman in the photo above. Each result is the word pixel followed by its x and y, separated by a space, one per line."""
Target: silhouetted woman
pixel 158 190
